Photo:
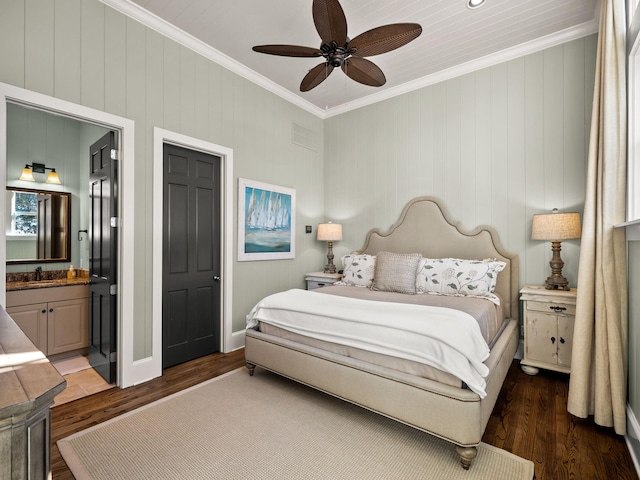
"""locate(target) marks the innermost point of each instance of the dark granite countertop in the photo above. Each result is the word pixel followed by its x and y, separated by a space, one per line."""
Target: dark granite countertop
pixel 59 282
pixel 48 278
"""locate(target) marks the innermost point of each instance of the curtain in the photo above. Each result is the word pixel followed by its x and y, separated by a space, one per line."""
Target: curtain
pixel 598 380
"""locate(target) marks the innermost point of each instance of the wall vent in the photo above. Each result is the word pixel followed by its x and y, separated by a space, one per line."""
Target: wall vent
pixel 302 136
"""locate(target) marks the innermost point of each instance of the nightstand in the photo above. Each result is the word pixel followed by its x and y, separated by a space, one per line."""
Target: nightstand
pixel 321 279
pixel 548 328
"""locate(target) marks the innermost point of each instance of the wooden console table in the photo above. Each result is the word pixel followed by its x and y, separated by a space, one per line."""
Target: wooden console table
pixel 28 385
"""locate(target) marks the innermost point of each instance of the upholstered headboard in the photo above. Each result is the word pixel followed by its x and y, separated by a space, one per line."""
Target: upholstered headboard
pixel 425 227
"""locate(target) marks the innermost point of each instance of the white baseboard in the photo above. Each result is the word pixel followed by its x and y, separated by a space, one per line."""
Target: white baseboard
pixel 520 351
pixel 632 438
pixel 237 341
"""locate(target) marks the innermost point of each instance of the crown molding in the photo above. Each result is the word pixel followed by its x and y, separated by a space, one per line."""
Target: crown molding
pixel 134 11
pixel 502 56
pixel 152 21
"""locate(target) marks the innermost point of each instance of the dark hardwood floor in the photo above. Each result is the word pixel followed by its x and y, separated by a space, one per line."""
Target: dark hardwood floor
pixel 530 420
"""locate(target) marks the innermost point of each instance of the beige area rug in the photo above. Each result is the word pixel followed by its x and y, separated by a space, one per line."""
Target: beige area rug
pixel 267 427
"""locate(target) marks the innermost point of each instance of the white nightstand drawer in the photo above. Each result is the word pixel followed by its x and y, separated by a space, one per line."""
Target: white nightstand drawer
pixel 321 279
pixel 555 307
pixel 311 284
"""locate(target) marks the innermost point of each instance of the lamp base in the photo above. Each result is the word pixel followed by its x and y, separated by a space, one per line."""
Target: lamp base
pixel 330 267
pixel 557 283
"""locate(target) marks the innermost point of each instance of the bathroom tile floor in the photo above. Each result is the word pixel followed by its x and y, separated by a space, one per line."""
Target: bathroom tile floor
pixel 82 384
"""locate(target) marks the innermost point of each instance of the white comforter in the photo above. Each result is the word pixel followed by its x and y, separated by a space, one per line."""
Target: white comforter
pixel 441 337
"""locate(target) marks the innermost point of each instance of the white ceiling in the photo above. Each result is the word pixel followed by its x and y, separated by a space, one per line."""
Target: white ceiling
pixel 454 40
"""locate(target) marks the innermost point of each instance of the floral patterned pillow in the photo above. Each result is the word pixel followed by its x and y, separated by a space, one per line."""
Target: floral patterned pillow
pixel 459 277
pixel 358 270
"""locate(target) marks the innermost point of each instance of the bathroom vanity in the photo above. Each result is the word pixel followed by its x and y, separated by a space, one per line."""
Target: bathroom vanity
pixel 52 313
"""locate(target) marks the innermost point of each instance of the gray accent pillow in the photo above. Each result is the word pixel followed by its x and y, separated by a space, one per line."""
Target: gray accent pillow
pixel 396 272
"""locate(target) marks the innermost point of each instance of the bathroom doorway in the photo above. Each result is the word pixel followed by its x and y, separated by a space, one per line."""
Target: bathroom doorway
pixel 129 371
pixel 60 144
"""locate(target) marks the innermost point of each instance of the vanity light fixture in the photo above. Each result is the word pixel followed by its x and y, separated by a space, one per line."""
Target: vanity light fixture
pixel 27 173
pixel 475 3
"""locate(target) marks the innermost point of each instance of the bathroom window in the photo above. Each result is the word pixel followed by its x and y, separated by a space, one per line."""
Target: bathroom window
pixel 24 213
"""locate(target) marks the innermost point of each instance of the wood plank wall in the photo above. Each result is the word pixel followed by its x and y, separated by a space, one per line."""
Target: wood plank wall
pixel 497 145
pixel 87 53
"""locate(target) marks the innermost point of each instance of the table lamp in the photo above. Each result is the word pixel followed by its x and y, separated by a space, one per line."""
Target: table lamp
pixel 556 227
pixel 329 232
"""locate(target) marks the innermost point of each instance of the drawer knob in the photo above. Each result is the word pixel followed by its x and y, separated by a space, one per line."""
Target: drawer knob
pixel 553 339
pixel 561 340
pixel 556 308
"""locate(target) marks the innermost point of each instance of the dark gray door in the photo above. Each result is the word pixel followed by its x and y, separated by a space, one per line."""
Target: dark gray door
pixel 191 255
pixel 103 173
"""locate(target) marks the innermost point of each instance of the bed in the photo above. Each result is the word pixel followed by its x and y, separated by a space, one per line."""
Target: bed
pixel 436 401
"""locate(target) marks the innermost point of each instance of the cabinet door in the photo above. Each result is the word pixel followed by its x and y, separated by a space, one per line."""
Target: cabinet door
pixel 565 339
pixel 68 325
pixel 32 319
pixel 541 333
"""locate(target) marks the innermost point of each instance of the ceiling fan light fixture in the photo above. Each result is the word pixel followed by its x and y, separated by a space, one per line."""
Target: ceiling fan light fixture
pixel 475 3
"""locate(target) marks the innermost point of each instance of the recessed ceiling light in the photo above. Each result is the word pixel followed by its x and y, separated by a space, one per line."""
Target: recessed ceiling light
pixel 475 3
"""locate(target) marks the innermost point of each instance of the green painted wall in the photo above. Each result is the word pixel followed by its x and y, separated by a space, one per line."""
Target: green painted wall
pixel 496 145
pixel 85 52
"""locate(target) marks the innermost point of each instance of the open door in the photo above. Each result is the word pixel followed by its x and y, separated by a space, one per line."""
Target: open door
pixel 103 221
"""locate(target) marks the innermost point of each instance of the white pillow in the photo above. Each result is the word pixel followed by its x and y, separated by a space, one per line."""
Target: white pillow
pixel 459 277
pixel 358 270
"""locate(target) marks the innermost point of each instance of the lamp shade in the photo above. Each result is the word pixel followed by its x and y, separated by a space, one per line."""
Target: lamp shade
pixel 556 226
pixel 53 177
pixel 329 232
pixel 27 174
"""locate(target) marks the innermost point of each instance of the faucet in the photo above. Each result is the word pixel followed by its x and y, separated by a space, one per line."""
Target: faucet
pixel 38 274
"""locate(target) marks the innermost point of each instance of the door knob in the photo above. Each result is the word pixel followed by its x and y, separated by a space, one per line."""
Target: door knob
pixel 216 278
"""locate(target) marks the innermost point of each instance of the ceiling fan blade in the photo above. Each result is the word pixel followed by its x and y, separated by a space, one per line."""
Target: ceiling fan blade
pixel 288 50
pixel 315 77
pixel 330 21
pixel 384 39
pixel 363 71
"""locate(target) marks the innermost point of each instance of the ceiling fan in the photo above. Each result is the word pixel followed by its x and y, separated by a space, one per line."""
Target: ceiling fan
pixel 339 51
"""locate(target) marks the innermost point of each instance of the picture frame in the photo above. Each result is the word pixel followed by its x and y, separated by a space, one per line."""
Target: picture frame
pixel 266 221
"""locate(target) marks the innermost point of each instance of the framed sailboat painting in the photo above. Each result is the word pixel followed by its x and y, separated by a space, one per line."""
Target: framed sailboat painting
pixel 266 221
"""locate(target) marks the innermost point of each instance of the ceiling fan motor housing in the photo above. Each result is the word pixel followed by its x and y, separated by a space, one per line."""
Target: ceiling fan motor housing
pixel 335 55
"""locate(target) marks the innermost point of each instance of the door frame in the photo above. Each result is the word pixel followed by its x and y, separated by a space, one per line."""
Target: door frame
pixel 228 341
pixel 128 371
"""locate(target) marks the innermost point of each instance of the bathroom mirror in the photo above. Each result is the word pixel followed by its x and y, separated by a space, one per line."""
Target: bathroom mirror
pixel 37 227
